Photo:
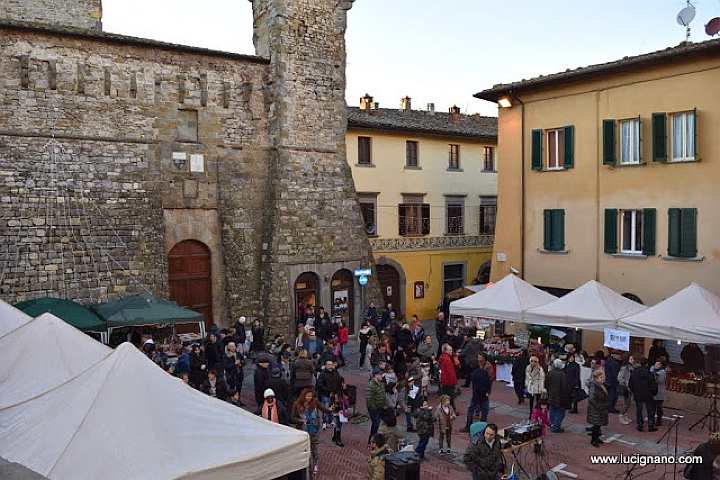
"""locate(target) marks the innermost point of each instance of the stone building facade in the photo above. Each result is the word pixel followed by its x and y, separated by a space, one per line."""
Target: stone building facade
pixel 214 178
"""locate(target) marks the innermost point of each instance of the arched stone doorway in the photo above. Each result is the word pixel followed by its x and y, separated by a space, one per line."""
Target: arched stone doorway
pixel 190 277
pixel 342 297
pixel 307 294
pixel 389 279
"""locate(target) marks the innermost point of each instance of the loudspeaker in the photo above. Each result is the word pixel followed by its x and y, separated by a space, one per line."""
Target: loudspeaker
pixel 402 466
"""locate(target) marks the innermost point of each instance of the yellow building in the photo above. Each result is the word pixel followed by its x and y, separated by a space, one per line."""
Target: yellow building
pixel 611 172
pixel 427 187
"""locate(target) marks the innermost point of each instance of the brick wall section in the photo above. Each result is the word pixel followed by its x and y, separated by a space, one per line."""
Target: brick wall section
pixel 117 142
pixel 86 14
pixel 315 216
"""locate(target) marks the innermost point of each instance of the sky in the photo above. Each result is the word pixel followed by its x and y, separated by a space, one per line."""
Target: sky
pixel 440 51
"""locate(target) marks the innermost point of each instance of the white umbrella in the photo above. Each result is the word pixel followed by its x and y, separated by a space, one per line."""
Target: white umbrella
pixel 11 318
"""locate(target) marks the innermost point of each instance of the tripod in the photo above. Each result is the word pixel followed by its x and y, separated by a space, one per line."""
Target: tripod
pixel 710 419
pixel 673 426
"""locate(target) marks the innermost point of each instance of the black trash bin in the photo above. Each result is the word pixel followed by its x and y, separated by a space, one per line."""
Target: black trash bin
pixel 402 466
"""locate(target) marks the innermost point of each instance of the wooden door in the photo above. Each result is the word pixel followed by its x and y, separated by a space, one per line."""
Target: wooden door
pixel 389 279
pixel 190 277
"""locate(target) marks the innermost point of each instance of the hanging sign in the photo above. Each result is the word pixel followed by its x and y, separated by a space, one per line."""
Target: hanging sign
pixel 617 339
pixel 362 280
pixel 364 272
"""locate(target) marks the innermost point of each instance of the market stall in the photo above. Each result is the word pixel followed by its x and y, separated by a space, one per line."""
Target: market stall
pixel 132 420
pixel 79 316
pixel 42 354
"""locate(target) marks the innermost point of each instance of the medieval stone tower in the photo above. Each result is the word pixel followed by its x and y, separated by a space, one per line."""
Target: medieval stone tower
pixel 214 178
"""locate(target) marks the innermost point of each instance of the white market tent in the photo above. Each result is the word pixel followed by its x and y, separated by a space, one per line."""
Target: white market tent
pixel 691 315
pixel 593 306
pixel 505 300
pixel 127 418
pixel 42 354
pixel 11 318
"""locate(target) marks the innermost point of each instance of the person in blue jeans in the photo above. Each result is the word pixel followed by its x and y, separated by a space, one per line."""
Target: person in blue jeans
pixel 480 400
pixel 425 427
pixel 376 401
pixel 558 388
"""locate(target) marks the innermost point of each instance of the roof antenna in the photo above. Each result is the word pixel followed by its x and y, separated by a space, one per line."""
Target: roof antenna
pixel 685 16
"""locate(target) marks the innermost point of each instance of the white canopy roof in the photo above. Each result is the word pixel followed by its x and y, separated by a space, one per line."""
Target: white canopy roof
pixel 11 318
pixel 505 300
pixel 592 306
pixel 42 354
pixel 126 418
pixel 691 315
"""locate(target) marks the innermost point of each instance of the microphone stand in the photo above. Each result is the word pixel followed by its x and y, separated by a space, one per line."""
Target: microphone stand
pixel 674 425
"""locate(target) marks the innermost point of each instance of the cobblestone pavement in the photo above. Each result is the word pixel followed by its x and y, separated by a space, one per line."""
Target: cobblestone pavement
pixel 571 448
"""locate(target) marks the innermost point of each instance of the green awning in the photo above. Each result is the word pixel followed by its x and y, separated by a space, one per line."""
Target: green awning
pixel 79 316
pixel 144 309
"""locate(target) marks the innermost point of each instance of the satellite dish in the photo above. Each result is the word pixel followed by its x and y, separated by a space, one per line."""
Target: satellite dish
pixel 713 26
pixel 686 15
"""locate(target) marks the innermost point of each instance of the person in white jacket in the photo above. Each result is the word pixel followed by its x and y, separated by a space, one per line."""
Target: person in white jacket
pixel 534 381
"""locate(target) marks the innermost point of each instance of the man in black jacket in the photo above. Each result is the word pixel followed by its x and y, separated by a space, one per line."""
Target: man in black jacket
pixel 518 374
pixel 485 458
pixel 213 352
pixel 558 390
pixel 279 386
pixel 240 335
pixel 480 397
pixel 572 372
pixel 261 379
pixel 329 383
pixel 643 387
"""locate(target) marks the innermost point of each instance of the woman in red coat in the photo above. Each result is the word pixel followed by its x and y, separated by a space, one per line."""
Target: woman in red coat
pixel 448 378
pixel 343 334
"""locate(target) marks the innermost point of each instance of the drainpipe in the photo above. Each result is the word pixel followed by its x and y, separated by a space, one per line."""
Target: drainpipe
pixel 522 183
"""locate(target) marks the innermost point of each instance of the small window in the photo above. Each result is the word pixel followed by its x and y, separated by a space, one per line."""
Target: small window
pixel 488 214
pixel 187 126
pixel 683 136
pixel 630 141
pixel 411 153
pixel 364 156
pixel 453 277
pixel 454 159
pixel 368 207
pixel 631 231
pixel 455 216
pixel 555 149
pixel 489 156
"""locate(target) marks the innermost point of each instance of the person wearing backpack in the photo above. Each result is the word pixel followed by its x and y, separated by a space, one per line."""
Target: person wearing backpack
pixel 644 387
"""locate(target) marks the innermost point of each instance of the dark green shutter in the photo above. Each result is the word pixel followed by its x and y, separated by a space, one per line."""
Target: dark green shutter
pixel 610 230
pixel 547 229
pixel 537 137
pixel 569 147
pixel 648 246
pixel 674 232
pixel 659 137
pixel 688 233
pixel 558 230
pixel 609 142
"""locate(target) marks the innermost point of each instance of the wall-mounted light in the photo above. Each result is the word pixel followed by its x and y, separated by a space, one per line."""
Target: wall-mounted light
pixel 505 102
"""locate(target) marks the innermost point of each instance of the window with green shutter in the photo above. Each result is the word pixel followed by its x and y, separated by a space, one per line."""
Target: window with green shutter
pixel 537 140
pixel 648 247
pixel 682 232
pixel 554 230
pixel 609 142
pixel 611 230
pixel 659 137
pixel 569 160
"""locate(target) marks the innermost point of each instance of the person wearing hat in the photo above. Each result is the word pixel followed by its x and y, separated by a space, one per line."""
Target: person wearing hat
pixel 271 409
pixel 197 366
pixel 376 400
pixel 240 335
pixel 279 385
pixel 261 378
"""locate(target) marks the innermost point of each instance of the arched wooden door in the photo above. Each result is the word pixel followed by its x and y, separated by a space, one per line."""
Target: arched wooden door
pixel 190 277
pixel 389 279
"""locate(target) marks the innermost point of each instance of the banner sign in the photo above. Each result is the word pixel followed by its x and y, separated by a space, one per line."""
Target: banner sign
pixel 617 339
pixel 364 272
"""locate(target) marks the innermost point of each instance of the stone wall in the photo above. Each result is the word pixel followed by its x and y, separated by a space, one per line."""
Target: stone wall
pixel 91 130
pixel 86 14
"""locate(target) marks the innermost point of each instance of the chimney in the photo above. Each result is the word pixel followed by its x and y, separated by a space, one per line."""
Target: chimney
pixel 375 105
pixel 366 102
pixel 405 104
pixel 431 108
pixel 454 114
